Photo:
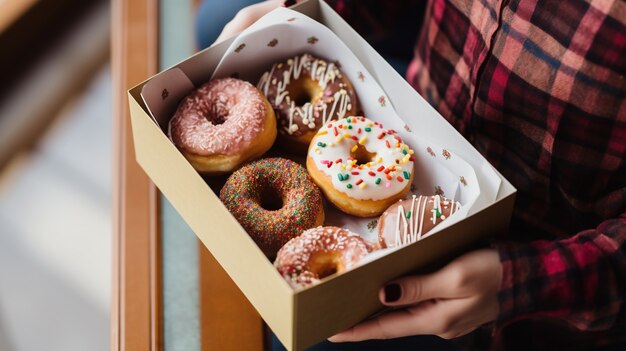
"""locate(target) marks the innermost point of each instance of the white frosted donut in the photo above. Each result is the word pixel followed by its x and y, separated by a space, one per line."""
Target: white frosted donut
pixel 360 166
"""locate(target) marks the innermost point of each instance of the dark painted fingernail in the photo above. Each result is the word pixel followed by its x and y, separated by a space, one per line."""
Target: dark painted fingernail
pixel 392 292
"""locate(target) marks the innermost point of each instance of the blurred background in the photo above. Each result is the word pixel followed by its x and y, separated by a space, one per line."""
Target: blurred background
pixel 55 175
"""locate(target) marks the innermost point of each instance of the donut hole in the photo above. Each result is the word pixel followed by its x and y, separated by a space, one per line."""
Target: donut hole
pixel 301 97
pixel 218 119
pixel 361 155
pixel 269 199
pixel 325 263
pixel 217 114
pixel 303 90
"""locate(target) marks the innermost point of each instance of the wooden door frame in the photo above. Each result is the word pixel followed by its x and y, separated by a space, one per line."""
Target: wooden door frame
pixel 136 320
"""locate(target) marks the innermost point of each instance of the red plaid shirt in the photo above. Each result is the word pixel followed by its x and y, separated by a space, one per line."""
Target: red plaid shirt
pixel 537 87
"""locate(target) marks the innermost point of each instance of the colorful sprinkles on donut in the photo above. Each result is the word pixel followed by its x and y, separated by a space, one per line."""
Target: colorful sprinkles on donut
pixel 363 159
pixel 284 185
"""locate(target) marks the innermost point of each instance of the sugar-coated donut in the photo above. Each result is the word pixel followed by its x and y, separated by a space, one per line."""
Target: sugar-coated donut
pixel 306 93
pixel 361 167
pixel 318 253
pixel 407 221
pixel 274 200
pixel 222 124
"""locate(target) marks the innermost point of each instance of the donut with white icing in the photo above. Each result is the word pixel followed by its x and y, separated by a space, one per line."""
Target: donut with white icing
pixel 318 253
pixel 222 124
pixel 306 92
pixel 408 221
pixel 361 167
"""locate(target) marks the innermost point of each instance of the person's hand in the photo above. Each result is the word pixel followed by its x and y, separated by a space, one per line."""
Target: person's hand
pixel 449 303
pixel 246 17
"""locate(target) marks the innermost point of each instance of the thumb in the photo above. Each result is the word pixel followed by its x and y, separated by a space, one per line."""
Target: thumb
pixel 413 289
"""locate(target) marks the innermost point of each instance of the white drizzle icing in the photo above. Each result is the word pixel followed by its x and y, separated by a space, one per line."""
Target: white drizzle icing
pixel 407 233
pixel 320 72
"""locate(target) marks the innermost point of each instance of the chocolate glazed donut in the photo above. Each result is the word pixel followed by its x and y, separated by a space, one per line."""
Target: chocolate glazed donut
pixel 410 220
pixel 307 92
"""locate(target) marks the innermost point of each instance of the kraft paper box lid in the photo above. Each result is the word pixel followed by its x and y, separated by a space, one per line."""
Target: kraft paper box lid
pixel 301 318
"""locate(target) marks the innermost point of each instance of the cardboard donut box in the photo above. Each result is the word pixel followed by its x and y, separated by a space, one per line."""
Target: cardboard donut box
pixel 301 318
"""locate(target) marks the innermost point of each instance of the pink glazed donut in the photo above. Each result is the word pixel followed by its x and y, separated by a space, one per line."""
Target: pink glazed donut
pixel 318 253
pixel 223 124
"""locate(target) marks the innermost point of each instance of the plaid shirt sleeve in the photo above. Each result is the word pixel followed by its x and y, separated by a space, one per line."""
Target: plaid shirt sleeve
pixel 539 88
pixel 580 280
